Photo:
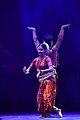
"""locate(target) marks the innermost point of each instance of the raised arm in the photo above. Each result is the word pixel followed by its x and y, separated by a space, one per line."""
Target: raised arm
pixel 34 36
pixel 60 37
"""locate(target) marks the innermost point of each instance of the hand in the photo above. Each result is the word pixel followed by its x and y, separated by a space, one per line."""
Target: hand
pixel 26 71
pixel 42 71
pixel 66 26
pixel 31 28
pixel 38 73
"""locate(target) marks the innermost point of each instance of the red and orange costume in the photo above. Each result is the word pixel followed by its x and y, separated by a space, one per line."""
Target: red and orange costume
pixel 47 88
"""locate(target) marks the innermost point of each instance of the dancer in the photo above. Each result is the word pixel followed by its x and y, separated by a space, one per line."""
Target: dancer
pixel 46 76
pixel 53 53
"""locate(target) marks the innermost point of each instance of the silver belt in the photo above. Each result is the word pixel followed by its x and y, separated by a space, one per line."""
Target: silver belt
pixel 45 76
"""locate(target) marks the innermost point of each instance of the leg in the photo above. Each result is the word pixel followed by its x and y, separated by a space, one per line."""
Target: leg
pixel 58 111
pixel 40 100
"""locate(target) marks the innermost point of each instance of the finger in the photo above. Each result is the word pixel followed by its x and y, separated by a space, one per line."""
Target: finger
pixel 29 27
pixel 27 72
pixel 68 25
pixel 24 67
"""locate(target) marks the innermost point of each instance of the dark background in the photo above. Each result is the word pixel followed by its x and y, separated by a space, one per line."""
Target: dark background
pixel 18 91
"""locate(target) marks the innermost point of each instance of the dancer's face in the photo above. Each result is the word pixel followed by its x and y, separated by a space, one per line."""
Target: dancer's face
pixel 41 51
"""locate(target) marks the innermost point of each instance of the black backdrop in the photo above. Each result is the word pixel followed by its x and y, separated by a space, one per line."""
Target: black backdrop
pixel 17 91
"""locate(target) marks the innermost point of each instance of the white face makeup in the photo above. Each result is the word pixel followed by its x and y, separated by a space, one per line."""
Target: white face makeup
pixel 43 50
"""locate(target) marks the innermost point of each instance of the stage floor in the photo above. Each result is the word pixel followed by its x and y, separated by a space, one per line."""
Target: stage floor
pixel 66 116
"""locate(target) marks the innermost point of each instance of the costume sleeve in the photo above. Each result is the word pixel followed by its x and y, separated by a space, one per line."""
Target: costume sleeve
pixel 49 62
